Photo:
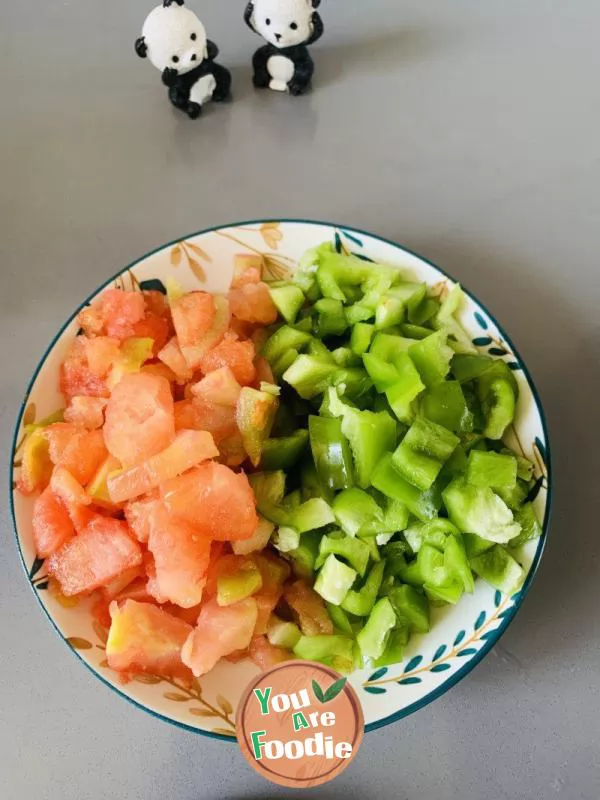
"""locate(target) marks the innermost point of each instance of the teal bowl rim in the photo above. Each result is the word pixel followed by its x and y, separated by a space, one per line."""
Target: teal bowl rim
pixel 480 655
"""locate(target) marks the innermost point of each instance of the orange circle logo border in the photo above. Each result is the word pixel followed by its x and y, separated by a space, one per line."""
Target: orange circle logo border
pixel 342 714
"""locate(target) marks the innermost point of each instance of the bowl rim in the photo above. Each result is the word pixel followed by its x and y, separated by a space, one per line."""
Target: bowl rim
pixel 457 676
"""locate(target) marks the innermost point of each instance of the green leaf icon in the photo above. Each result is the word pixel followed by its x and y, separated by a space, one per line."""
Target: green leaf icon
pixel 334 690
pixel 318 692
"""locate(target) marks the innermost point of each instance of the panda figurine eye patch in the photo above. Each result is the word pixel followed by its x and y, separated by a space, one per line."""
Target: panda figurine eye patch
pixel 288 26
pixel 174 40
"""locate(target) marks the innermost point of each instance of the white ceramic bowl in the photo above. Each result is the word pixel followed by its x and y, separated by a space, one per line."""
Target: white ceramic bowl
pixel 460 636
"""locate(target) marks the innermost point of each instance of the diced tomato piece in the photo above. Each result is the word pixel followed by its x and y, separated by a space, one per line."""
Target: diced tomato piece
pixel 181 558
pixel 231 450
pixel 138 514
pixel 238 356
pixel 256 543
pixel 241 329
pixel 98 555
pixel 219 632
pixel 101 353
pixel 264 373
pixel 144 638
pixel 219 502
pixel 80 452
pixel 155 328
pixel 189 615
pixel 97 488
pixel 136 590
pixel 195 346
pixel 157 303
pixel 265 655
pixel 247 271
pixel 266 602
pixel 66 487
pixel 193 314
pixel 139 418
pixel 172 357
pixel 161 370
pixel 219 386
pixel 309 608
pixel 52 526
pixel 252 303
pixel 77 378
pixel 81 516
pixel 36 464
pixel 187 449
pixel 88 412
pixel 118 587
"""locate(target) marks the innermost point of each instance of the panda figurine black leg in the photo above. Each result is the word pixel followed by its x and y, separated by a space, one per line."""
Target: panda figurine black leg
pixel 288 26
pixel 174 40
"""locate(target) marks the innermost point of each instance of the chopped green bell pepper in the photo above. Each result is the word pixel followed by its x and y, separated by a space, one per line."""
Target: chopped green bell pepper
pixel 334 580
pixel 360 601
pixel 434 532
pixel 383 374
pixel 373 637
pixel 422 453
pixel 479 510
pixel 416 332
pixel 361 337
pixel 331 452
pixel 284 362
pixel 255 414
pixel 286 539
pixel 354 551
pixel 386 478
pixel 492 469
pixel 410 606
pixel 288 300
pixel 475 545
pixel 445 405
pixel 340 619
pixel 370 434
pixel 246 581
pixel 330 649
pixel 310 375
pixel 304 557
pixel 345 357
pixel 388 346
pixel 311 485
pixel 395 557
pixel 431 357
pixel 316 348
pixel 283 634
pixel 390 311
pixel 530 526
pixel 394 648
pixel 285 451
pixel 311 515
pixel 498 402
pixel 498 568
pixel 331 319
pixel 357 512
pixel 406 389
pixel 352 382
pixel 282 341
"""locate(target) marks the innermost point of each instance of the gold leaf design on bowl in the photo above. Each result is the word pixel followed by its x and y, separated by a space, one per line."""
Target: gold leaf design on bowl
pixel 176 697
pixel 224 704
pixel 29 414
pixel 202 712
pixel 271 234
pixel 78 643
pixel 224 732
pixel 190 253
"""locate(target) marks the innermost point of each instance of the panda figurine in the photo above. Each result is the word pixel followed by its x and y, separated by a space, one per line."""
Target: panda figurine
pixel 289 26
pixel 174 40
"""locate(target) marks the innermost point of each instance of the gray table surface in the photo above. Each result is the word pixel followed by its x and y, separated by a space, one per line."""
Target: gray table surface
pixel 469 131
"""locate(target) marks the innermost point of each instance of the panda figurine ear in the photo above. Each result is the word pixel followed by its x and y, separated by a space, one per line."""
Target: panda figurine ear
pixel 248 13
pixel 316 3
pixel 168 3
pixel 141 48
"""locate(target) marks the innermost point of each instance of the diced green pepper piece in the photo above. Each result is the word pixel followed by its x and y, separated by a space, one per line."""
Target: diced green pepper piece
pixel 333 650
pixel 351 382
pixel 288 300
pixel 340 619
pixel 457 563
pixel 388 346
pixel 386 478
pixel 475 545
pixel 283 340
pixel 311 485
pixel 434 532
pixel 354 551
pixel 492 469
pixel 394 648
pixel 255 415
pixel 440 595
pixel 284 362
pixel 284 452
pixel 412 606
pixel 515 496
pixel 356 512
pixel 360 601
pixel 395 558
pixel 305 556
pixel 359 313
pixel 524 465
pixel 382 373
pixel 431 357
pixel 498 568
pixel 438 578
pixel 361 337
pixel 311 515
pixel 478 510
pixel 331 319
pixel 466 367
pixel 371 434
pixel 331 452
pixel 445 404
pixel 309 375
pixel 406 389
pixel 316 348
pixel 395 516
pixel 498 402
pixel 345 357
pixel 286 539
pixel 246 581
pixel 415 331
pixel 334 580
pixel 411 574
pixel 389 311
pixel 283 634
pixel 373 637
pixel 530 526
pixel 422 453
pixel 268 486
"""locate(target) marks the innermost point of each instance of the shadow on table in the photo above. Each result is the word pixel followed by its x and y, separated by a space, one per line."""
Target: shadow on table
pixel 563 357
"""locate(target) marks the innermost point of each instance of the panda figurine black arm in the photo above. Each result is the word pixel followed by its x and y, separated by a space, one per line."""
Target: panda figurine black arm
pixel 288 26
pixel 174 40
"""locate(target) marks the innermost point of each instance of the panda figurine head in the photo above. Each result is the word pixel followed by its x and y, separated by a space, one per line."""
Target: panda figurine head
pixel 173 38
pixel 285 23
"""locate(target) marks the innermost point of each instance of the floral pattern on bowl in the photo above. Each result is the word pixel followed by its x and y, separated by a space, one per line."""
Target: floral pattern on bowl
pixel 460 636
